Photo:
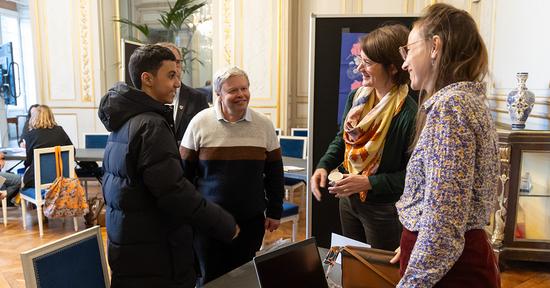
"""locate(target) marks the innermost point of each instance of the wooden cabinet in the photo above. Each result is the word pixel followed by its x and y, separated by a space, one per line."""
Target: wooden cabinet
pixel 521 229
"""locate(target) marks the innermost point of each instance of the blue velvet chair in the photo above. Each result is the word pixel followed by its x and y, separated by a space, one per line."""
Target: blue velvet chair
pixel 77 260
pixel 95 140
pixel 291 213
pixel 295 147
pixel 92 141
pixel 44 176
pixel 300 132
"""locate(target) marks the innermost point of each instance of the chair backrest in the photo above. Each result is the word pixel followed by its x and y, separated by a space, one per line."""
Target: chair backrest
pixel 95 140
pixel 301 132
pixel 77 260
pixel 44 165
pixel 292 146
pixel 278 131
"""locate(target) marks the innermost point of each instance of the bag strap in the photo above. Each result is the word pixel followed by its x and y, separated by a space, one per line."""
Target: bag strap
pixel 58 162
pixel 372 267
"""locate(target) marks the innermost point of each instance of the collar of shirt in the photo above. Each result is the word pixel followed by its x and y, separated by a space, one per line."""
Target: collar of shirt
pixel 176 102
pixel 219 113
pixel 477 88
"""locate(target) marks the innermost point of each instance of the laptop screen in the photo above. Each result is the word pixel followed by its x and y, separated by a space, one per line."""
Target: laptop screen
pixel 296 265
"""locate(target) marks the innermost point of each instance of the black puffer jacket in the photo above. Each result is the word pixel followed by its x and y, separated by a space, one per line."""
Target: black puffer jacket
pixel 151 208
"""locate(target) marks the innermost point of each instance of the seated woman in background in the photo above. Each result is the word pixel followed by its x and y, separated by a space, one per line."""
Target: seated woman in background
pixel 32 109
pixel 43 132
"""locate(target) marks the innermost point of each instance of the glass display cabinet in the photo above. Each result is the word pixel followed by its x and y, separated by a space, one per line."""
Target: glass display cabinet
pixel 521 224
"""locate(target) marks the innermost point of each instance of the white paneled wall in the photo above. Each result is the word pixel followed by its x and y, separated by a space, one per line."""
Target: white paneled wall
pixel 77 54
pixel 520 45
pixel 253 35
pixel 514 32
pixel 76 60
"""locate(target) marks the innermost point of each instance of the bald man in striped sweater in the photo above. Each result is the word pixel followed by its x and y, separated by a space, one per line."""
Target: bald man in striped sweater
pixel 232 154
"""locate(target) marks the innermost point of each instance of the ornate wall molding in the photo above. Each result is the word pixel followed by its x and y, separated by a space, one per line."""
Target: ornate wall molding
pixel 85 53
pixel 228 27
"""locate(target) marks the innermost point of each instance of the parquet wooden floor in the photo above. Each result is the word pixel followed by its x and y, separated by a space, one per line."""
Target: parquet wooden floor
pixel 14 240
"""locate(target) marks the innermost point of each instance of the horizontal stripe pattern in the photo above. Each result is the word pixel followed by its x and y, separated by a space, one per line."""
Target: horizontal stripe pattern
pixel 188 154
pixel 232 153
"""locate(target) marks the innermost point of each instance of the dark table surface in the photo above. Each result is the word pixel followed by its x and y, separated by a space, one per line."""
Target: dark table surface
pixel 97 155
pixel 81 154
pixel 299 175
pixel 245 276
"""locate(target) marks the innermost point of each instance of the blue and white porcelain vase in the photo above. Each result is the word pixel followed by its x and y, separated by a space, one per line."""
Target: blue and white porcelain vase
pixel 520 102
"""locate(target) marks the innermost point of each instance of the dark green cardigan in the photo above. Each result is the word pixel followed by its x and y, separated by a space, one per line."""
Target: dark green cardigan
pixel 389 181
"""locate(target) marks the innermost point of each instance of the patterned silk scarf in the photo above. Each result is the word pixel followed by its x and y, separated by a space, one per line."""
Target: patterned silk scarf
pixel 366 127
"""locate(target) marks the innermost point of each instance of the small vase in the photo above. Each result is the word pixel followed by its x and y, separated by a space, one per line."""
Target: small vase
pixel 520 102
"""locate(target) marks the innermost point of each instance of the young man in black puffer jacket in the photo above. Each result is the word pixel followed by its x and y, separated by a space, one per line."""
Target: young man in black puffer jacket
pixel 152 209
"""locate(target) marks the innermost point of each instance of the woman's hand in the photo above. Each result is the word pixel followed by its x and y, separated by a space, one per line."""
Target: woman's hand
pixel 395 258
pixel 318 179
pixel 350 185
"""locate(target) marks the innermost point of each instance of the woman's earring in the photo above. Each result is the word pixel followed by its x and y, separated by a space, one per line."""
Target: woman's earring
pixel 433 61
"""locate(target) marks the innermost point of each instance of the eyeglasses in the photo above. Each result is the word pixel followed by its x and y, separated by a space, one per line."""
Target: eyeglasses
pixel 404 50
pixel 358 61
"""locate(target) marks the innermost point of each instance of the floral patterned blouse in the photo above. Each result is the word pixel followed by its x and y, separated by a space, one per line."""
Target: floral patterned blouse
pixel 451 181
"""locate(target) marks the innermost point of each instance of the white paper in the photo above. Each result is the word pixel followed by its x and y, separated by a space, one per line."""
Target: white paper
pixel 288 168
pixel 13 150
pixel 339 240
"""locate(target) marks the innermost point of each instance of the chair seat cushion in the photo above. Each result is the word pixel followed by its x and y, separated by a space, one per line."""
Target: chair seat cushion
pixel 289 209
pixel 21 171
pixel 29 192
pixel 292 182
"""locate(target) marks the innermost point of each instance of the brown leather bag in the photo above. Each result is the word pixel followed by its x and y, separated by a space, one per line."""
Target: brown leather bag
pixel 368 267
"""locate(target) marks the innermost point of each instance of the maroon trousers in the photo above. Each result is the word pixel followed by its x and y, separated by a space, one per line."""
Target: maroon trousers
pixel 476 267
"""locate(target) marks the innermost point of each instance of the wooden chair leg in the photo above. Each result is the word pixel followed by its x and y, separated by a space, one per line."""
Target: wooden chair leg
pixel 294 229
pixel 24 212
pixel 5 211
pixel 40 224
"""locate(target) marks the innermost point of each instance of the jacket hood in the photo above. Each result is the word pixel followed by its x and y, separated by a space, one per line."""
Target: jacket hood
pixel 123 102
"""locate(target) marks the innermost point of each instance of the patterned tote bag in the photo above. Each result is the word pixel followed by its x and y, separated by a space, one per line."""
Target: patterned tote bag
pixel 65 197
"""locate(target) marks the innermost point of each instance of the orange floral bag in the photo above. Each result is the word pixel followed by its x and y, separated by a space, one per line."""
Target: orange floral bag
pixel 65 197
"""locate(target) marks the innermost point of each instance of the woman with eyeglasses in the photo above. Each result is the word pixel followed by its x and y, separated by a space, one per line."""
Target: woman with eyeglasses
pixel 372 145
pixel 451 178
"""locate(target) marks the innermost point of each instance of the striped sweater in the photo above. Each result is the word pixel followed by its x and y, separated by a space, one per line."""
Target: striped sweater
pixel 236 165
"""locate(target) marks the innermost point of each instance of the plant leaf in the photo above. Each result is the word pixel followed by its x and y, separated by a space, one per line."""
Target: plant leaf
pixel 143 28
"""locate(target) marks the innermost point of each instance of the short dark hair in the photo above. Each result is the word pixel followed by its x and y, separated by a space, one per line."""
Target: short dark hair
pixel 147 58
pixel 30 109
pixel 382 46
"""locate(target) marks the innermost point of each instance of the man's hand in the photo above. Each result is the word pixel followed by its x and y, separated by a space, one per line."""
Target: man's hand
pixel 318 179
pixel 237 231
pixel 271 224
pixel 350 185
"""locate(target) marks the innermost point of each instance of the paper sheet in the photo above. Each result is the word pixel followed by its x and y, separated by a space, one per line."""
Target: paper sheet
pixel 339 240
pixel 288 168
